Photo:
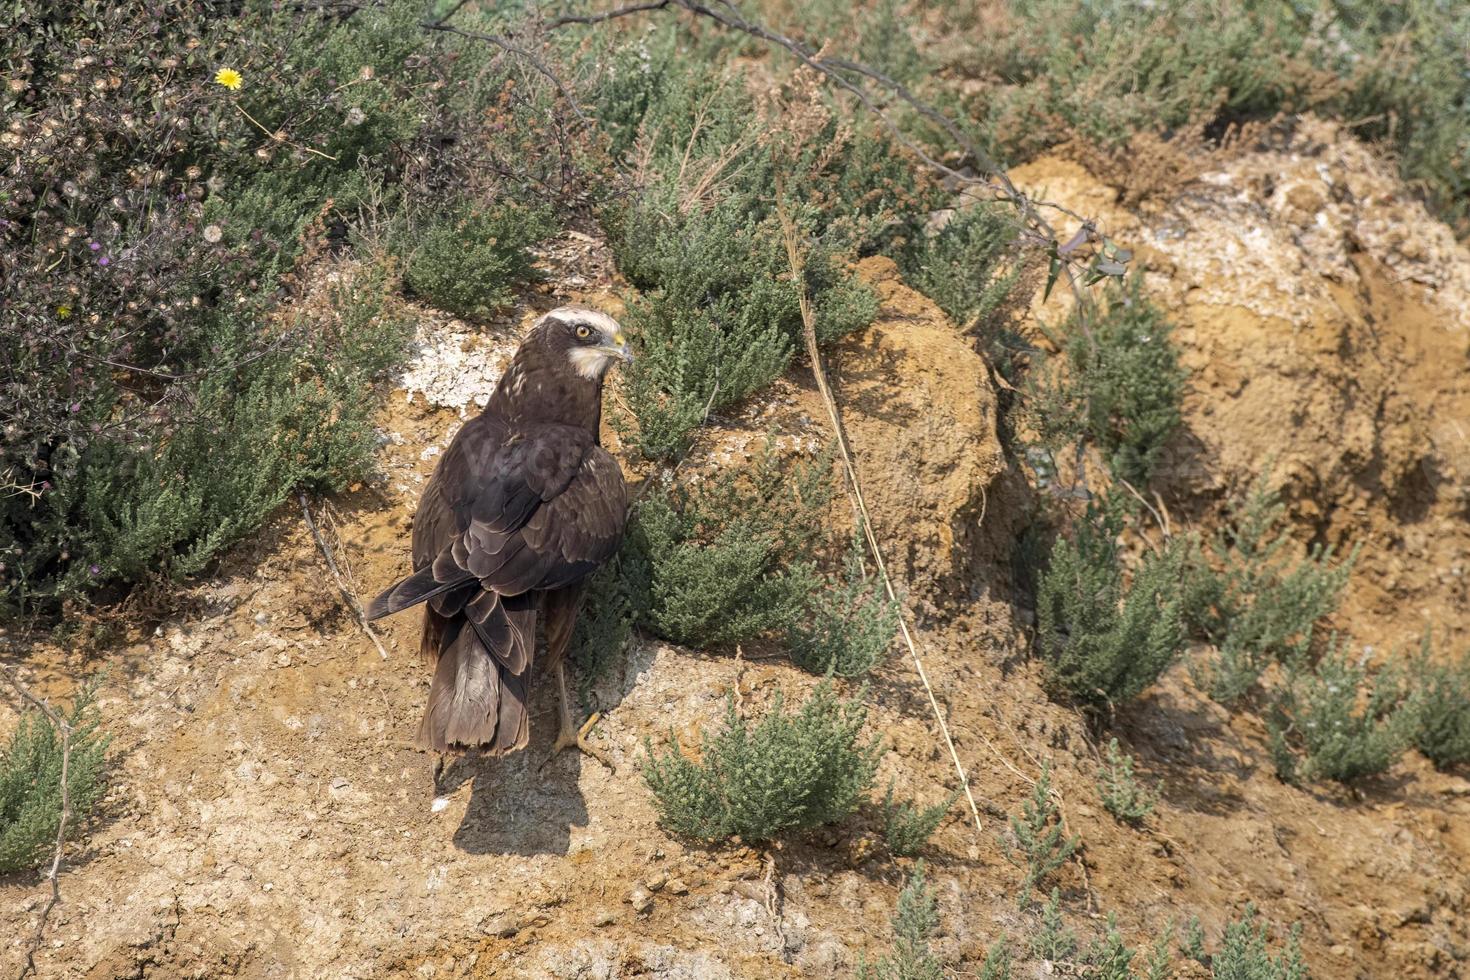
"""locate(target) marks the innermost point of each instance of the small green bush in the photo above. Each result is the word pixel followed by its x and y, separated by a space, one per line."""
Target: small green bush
pixel 848 625
pixel 1120 792
pixel 1244 954
pixel 1107 69
pixel 1053 941
pixel 1101 644
pixel 298 418
pixel 997 965
pixel 965 266
pixel 1347 726
pixel 1109 958
pixel 913 924
pixel 1440 702
pixel 1160 963
pixel 722 553
pixel 787 772
pixel 1118 385
pixel 30 780
pixel 1036 842
pixel 907 826
pixel 1192 941
pixel 616 598
pixel 158 402
pixel 1257 604
pixel 470 261
pixel 719 318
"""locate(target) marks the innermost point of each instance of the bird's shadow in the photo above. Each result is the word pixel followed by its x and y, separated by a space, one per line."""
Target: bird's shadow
pixel 521 804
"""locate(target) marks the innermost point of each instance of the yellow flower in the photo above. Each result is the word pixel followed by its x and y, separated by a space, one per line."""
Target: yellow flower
pixel 63 311
pixel 229 78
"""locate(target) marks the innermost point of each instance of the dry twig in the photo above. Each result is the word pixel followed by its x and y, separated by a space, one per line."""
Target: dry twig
pixel 814 354
pixel 351 599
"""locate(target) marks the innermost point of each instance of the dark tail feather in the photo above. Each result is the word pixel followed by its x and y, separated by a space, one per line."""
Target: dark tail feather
pixel 419 586
pixel 477 700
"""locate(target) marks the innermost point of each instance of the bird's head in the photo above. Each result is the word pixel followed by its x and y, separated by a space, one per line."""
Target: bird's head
pixel 590 340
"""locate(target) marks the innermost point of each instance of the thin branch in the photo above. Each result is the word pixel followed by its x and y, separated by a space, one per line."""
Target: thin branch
pixel 54 874
pixel 814 354
pixel 1159 518
pixel 634 8
pixel 347 595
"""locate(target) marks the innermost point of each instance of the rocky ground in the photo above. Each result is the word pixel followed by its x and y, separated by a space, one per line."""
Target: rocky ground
pixel 267 816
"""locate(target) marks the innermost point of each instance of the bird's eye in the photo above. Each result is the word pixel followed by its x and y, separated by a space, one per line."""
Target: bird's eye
pixel 583 332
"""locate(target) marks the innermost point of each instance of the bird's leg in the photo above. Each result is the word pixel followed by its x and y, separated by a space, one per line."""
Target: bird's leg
pixel 570 735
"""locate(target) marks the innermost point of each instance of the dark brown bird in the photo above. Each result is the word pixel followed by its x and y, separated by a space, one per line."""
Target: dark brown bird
pixel 524 505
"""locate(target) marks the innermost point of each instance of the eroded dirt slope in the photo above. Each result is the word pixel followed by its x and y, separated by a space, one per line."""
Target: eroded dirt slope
pixel 1324 318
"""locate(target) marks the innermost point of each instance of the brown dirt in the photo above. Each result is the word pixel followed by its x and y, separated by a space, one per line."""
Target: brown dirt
pixel 267 817
pixel 1324 318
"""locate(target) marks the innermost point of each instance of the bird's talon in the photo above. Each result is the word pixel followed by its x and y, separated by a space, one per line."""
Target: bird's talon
pixel 588 725
pixel 567 739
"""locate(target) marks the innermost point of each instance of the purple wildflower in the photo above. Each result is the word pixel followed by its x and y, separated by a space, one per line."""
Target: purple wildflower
pixel 94 246
pixel 94 569
pixel 104 261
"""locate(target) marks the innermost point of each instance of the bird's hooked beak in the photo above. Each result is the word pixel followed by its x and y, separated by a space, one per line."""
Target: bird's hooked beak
pixel 618 348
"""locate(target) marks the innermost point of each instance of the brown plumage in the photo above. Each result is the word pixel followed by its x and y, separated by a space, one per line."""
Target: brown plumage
pixel 523 506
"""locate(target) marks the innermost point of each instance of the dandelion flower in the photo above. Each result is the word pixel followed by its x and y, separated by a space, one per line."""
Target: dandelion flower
pixel 213 233
pixel 63 311
pixel 229 78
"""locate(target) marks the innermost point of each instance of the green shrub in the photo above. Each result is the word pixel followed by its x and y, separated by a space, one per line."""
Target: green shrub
pixel 1182 61
pixel 719 318
pixel 1107 70
pixel 615 598
pixel 1347 726
pixel 966 266
pixel 1257 605
pixel 1118 384
pixel 30 780
pixel 848 625
pixel 1440 702
pixel 1192 942
pixel 1109 958
pixel 722 555
pixel 157 402
pixel 908 827
pixel 997 965
pixel 470 261
pixel 299 419
pixel 787 772
pixel 914 922
pixel 1160 963
pixel 1053 941
pixel 1036 842
pixel 1244 954
pixel 1121 794
pixel 1101 644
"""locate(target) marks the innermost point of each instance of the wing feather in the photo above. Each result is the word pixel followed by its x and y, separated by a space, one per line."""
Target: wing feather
pixel 533 509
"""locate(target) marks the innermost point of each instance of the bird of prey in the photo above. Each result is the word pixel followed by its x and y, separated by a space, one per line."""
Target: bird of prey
pixel 524 505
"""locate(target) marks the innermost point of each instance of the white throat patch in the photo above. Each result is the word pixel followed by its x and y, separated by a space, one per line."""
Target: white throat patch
pixel 590 362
